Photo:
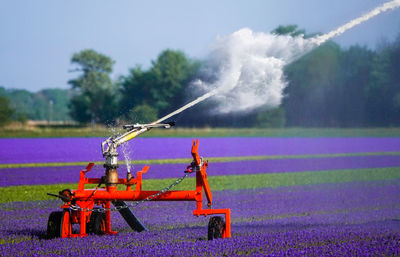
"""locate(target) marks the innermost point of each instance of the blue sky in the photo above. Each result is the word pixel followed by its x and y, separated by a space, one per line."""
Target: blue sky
pixel 39 37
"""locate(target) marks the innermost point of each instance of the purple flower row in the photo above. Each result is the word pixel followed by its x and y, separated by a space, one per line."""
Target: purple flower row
pixel 349 219
pixel 70 174
pixel 347 240
pixel 39 150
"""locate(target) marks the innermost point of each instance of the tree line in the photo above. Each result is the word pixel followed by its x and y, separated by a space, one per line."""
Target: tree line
pixel 21 105
pixel 328 87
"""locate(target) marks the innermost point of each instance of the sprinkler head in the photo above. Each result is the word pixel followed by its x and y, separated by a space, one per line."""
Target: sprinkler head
pixel 66 195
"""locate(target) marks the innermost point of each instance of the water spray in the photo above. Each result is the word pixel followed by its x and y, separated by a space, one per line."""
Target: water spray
pixel 378 10
pixel 192 103
pixel 250 65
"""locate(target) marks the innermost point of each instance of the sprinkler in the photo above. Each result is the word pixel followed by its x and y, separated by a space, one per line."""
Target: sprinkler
pixel 91 208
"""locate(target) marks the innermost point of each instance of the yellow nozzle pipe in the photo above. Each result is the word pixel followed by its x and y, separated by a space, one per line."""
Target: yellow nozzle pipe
pixel 129 136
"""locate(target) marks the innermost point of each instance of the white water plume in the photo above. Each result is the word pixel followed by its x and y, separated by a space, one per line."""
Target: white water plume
pixel 249 65
pixel 250 68
pixel 378 10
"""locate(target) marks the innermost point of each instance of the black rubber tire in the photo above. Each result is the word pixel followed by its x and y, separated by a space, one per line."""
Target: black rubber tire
pixel 54 224
pixel 216 226
pixel 97 222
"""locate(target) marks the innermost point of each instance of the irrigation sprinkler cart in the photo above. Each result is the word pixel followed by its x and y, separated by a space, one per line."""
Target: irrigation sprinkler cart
pixel 91 208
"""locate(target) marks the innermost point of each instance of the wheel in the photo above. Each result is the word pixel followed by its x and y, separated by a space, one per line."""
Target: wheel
pixel 216 227
pixel 54 224
pixel 97 223
pixel 59 224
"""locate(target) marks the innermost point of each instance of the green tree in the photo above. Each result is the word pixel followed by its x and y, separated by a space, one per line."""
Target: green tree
pixel 312 91
pixel 290 30
pixel 142 114
pixel 46 104
pixel 172 72
pixel 136 89
pixel 268 118
pixel 6 111
pixel 94 95
pixel 57 101
pixel 22 101
pixel 350 87
pixel 383 90
pixel 20 117
pixel 162 86
pixel 354 76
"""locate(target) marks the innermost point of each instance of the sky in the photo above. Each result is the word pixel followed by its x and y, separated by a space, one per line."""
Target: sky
pixel 38 38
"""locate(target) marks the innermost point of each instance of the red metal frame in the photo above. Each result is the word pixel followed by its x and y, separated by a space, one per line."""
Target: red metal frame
pixel 88 198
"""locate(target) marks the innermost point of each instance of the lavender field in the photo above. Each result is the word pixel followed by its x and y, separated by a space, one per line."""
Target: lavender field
pixel 350 219
pixel 42 150
pixel 345 212
pixel 70 174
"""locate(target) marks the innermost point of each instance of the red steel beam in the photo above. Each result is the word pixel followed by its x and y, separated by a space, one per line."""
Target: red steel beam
pixel 134 195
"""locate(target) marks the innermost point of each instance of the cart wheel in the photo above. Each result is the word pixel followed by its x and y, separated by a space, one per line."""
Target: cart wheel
pixel 216 227
pixel 59 224
pixel 54 224
pixel 97 223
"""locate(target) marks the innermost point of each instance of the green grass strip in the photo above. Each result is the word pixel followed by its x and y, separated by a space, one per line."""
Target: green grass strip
pixel 188 160
pixel 234 182
pixel 203 132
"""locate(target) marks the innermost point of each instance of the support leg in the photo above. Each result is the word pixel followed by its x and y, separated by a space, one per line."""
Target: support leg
pixel 82 218
pixel 227 232
pixel 226 212
pixel 129 217
pixel 108 220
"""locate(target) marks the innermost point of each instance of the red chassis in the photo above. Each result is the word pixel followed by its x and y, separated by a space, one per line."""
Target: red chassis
pixel 80 203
